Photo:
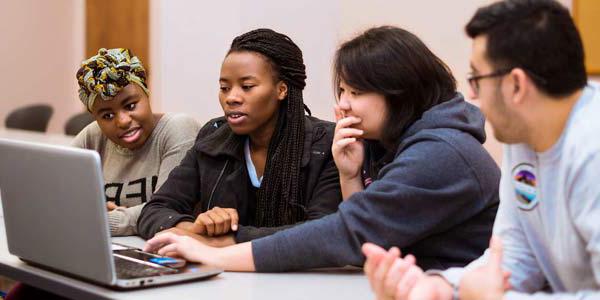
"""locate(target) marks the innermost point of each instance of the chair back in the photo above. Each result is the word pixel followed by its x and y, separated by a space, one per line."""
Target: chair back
pixel 77 122
pixel 33 117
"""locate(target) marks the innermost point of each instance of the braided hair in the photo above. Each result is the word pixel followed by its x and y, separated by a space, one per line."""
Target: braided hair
pixel 280 199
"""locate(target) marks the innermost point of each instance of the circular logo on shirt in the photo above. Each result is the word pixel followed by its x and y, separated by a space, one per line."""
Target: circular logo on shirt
pixel 524 181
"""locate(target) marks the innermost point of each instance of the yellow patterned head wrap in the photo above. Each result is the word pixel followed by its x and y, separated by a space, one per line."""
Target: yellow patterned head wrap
pixel 107 73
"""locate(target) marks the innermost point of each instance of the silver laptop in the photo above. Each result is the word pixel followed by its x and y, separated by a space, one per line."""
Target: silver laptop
pixel 55 217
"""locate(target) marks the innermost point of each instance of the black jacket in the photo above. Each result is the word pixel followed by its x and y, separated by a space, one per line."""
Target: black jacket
pixel 213 173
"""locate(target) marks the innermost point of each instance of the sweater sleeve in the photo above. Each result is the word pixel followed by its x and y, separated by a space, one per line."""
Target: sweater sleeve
pixel 178 138
pixel 174 140
pixel 426 190
pixel 79 140
pixel 325 199
pixel 122 220
pixel 585 208
pixel 89 137
pixel 527 279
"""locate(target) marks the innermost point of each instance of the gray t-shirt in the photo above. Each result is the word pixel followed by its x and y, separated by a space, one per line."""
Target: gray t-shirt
pixel 131 177
pixel 549 215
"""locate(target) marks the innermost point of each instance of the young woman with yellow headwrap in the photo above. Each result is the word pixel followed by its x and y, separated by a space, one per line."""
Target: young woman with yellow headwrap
pixel 138 148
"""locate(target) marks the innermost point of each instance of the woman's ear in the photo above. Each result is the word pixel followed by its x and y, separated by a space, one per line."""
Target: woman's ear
pixel 282 90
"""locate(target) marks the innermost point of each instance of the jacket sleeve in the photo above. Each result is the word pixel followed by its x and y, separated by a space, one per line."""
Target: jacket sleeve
pixel 325 199
pixel 174 202
pixel 426 190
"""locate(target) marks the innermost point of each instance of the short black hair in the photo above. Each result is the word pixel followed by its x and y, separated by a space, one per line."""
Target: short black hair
pixel 538 36
pixel 396 64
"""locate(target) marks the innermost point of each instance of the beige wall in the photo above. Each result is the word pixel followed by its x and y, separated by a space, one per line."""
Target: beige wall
pixel 192 38
pixel 187 53
pixel 442 30
pixel 40 49
pixel 43 43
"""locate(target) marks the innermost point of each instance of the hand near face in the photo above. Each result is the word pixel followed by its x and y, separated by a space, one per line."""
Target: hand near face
pixel 217 221
pixel 347 149
pixel 487 282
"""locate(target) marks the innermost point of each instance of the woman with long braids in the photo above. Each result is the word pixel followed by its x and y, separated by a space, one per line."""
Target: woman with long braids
pixel 413 172
pixel 265 165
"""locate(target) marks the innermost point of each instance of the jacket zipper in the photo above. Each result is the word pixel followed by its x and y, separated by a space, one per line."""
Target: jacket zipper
pixel 216 184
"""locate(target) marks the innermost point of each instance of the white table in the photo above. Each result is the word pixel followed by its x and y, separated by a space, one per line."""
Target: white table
pixel 345 283
pixel 322 284
pixel 33 136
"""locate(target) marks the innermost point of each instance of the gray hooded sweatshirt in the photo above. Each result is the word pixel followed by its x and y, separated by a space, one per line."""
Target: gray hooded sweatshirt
pixel 437 199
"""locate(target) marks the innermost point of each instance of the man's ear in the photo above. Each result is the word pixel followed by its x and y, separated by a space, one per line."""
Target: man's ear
pixel 520 85
pixel 282 90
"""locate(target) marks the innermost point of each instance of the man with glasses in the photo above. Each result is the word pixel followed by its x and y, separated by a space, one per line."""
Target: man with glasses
pixel 528 75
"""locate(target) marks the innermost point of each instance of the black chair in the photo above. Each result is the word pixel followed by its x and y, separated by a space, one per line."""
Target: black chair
pixel 33 117
pixel 77 122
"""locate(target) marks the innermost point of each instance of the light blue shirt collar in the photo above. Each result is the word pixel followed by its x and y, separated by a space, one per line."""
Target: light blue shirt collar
pixel 250 166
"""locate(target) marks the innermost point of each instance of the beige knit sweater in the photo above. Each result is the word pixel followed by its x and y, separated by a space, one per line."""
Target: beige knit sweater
pixel 131 177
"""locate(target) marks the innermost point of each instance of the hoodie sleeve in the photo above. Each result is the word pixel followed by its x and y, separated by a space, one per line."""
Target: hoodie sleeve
pixel 427 189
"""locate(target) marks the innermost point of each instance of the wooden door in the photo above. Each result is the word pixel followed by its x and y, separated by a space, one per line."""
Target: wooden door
pixel 587 17
pixel 118 24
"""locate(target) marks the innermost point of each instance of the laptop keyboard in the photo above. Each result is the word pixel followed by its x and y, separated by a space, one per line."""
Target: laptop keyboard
pixel 127 269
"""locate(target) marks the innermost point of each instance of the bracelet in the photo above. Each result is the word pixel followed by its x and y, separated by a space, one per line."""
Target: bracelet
pixel 455 294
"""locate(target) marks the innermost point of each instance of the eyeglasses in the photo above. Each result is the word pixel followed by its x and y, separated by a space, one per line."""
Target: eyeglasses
pixel 474 79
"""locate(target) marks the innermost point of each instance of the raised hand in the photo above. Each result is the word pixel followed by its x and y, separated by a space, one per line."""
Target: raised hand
pixel 487 282
pixel 390 276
